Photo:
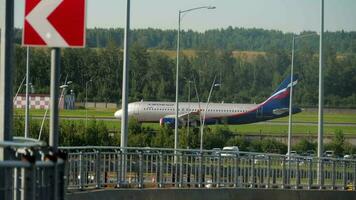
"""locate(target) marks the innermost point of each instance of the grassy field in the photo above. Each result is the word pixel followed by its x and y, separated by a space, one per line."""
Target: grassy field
pixel 241 129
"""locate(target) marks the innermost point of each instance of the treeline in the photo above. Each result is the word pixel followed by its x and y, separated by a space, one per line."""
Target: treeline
pixel 251 39
pixel 152 74
pixel 96 133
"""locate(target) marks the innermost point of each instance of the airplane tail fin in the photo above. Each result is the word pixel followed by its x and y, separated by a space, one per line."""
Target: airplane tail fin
pixel 286 84
pixel 278 102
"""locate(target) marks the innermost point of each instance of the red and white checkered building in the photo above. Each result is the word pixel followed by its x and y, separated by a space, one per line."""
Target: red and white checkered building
pixel 37 101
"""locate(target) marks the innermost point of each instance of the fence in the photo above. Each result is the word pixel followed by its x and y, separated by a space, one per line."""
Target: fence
pixel 97 167
pixel 33 173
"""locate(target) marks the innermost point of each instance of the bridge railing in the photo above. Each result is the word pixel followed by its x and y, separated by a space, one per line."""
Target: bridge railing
pixel 32 172
pixel 97 167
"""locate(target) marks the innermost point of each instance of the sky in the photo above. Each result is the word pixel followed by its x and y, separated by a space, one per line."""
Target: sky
pixel 285 15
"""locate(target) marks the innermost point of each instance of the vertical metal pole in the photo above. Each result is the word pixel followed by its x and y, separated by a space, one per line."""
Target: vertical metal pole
pixel 188 115
pixel 27 111
pixel 206 110
pixel 125 88
pixel 291 100
pixel 53 121
pixel 6 101
pixel 321 94
pixel 177 89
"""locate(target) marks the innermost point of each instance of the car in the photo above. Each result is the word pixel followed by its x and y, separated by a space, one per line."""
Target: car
pixel 215 152
pixel 230 151
pixel 291 156
pixel 261 158
pixel 329 154
pixel 310 153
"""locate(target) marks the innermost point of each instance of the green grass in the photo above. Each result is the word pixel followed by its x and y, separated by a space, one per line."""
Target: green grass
pixel 283 129
pixel 241 129
pixel 328 117
pixel 301 117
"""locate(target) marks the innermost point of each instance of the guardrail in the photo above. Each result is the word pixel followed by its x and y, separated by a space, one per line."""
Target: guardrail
pixel 33 172
pixel 97 167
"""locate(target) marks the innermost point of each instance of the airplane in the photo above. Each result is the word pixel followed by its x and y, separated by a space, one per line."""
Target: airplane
pixel 276 106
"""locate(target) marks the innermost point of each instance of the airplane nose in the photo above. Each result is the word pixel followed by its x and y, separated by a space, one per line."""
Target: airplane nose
pixel 118 114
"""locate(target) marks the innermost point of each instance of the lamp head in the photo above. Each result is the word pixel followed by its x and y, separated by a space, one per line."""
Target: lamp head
pixel 211 7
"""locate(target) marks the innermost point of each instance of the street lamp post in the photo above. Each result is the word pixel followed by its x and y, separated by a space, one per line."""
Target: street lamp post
pixel 86 102
pixel 291 89
pixel 177 70
pixel 188 121
pixel 320 179
pixel 204 115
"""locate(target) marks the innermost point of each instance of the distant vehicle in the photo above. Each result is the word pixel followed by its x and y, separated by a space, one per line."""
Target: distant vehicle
pixel 347 156
pixel 261 158
pixel 329 154
pixel 276 106
pixel 233 149
pixel 216 152
pixel 292 155
pixel 310 153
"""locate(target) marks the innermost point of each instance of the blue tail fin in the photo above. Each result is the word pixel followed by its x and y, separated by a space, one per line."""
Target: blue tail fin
pixel 286 83
pixel 278 102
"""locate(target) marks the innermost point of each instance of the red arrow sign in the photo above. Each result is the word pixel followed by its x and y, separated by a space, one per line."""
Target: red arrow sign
pixel 54 23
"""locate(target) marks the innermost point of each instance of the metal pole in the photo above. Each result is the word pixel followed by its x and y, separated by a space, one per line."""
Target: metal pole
pixel 86 102
pixel 6 101
pixel 177 88
pixel 188 114
pixel 125 88
pixel 321 93
pixel 53 121
pixel 27 111
pixel 205 111
pixel 291 99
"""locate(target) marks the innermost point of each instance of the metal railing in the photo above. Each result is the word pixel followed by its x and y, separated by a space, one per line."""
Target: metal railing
pixel 97 167
pixel 34 172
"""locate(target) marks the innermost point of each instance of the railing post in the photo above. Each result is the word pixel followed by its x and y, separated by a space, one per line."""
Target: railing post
pixel 253 176
pixel 140 173
pixel 333 178
pixel 322 173
pixel 268 172
pixel 236 170
pixel 61 164
pixel 28 179
pixel 97 169
pixel 161 172
pixel 200 184
pixel 118 169
pixel 284 172
pixel 181 181
pixel 310 174
pixel 218 171
pixel 344 177
pixel 81 171
pixel 297 174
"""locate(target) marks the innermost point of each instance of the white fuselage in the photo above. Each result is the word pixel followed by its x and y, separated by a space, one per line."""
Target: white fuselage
pixel 154 111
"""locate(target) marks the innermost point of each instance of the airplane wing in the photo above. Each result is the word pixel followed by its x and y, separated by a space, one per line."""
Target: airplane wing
pixel 193 116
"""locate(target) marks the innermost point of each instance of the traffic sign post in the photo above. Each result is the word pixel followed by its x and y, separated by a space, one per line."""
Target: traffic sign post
pixel 6 55
pixel 55 24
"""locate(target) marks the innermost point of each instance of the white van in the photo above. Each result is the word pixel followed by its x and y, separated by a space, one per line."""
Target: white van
pixel 233 149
